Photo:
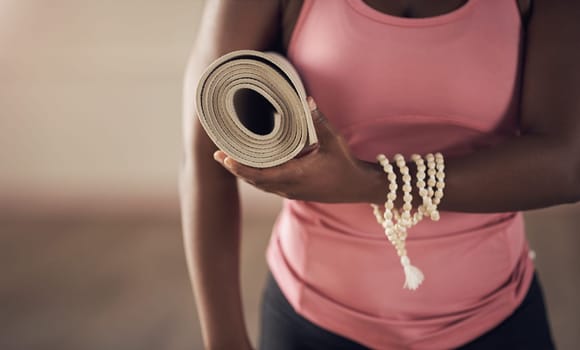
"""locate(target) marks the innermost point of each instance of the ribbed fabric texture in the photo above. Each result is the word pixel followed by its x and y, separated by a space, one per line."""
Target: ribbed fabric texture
pixel 448 83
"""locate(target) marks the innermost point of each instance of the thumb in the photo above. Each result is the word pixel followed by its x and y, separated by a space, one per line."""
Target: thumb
pixel 324 130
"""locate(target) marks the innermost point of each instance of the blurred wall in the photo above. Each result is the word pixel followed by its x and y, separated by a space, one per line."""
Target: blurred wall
pixel 90 103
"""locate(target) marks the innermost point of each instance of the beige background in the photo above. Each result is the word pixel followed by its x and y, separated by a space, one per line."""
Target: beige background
pixel 91 98
pixel 90 244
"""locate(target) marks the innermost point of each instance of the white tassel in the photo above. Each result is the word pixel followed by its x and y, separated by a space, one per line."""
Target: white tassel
pixel 413 276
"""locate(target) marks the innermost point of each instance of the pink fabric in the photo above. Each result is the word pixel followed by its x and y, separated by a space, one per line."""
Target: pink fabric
pixel 447 83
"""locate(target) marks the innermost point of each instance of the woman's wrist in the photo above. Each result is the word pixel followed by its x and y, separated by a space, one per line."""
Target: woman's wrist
pixel 374 184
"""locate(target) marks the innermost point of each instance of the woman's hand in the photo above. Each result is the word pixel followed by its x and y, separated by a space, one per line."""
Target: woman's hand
pixel 327 173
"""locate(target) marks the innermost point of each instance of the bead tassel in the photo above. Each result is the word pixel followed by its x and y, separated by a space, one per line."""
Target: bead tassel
pixel 413 276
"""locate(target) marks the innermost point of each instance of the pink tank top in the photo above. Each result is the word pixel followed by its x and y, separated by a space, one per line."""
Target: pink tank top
pixel 448 83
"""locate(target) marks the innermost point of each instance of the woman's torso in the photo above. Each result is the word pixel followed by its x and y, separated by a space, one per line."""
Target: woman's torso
pixel 447 83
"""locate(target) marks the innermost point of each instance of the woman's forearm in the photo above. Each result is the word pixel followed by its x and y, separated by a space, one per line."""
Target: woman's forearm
pixel 522 173
pixel 211 226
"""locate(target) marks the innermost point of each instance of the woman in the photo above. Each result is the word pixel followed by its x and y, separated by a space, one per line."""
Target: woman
pixel 491 84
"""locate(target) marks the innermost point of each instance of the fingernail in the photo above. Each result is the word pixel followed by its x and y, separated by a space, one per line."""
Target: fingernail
pixel 218 157
pixel 228 162
pixel 311 103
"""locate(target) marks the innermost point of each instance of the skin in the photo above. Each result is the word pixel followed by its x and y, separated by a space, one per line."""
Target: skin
pixel 537 169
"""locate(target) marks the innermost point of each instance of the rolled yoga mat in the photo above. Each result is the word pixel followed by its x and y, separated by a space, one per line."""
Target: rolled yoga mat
pixel 250 139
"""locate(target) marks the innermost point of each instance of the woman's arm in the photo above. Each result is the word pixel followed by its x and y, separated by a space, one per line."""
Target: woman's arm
pixel 541 168
pixel 538 169
pixel 208 194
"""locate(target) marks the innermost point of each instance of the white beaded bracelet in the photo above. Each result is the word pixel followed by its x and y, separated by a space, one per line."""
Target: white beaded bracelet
pixel 397 233
pixel 396 230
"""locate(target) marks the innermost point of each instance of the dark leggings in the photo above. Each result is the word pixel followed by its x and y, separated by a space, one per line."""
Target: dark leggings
pixel 283 329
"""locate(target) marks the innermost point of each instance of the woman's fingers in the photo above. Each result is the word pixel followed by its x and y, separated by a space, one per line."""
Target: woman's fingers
pixel 273 179
pixel 219 156
pixel 324 130
pixel 255 176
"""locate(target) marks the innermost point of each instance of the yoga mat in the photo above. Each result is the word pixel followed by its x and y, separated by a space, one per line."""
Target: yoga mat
pixel 272 77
